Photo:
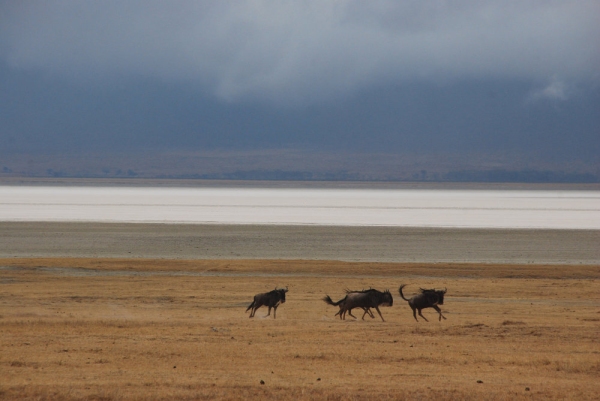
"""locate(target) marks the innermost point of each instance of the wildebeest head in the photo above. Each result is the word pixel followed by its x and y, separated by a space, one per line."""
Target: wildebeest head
pixel 436 296
pixel 386 298
pixel 279 292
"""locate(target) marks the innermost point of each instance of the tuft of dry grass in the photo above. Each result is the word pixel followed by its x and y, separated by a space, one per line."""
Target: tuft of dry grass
pixel 104 329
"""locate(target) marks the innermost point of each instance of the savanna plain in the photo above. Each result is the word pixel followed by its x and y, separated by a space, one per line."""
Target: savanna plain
pixel 157 329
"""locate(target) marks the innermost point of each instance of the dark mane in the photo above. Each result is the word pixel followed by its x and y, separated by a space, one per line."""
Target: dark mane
pixel 361 291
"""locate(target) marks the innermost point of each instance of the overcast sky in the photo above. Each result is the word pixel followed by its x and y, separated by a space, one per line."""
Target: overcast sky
pixel 422 76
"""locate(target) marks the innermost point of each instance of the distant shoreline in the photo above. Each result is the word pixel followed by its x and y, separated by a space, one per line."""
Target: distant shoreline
pixel 204 183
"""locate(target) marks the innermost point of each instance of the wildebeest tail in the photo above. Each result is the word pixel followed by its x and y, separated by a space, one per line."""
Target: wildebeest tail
pixel 401 294
pixel 329 301
pixel 250 307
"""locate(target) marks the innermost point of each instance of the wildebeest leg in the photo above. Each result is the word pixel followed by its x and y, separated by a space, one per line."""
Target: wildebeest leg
pixel 415 313
pixel 254 311
pixel 439 311
pixel 367 310
pixel 377 309
pixel 371 313
pixel 269 313
pixel 274 312
pixel 422 316
pixel 350 313
pixel 251 307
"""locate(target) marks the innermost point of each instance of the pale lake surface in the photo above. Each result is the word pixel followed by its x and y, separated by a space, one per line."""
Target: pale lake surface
pixel 553 209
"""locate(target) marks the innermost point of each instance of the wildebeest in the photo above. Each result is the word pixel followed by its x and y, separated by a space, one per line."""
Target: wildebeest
pixel 426 299
pixel 271 299
pixel 365 299
pixel 343 310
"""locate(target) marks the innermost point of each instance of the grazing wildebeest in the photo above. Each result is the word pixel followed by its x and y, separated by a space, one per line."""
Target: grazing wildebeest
pixel 362 299
pixel 270 299
pixel 426 299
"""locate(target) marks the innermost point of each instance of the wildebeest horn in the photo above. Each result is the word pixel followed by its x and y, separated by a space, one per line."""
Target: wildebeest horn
pixel 286 288
pixel 445 289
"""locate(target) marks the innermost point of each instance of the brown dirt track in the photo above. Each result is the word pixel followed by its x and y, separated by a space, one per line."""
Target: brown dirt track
pixel 133 329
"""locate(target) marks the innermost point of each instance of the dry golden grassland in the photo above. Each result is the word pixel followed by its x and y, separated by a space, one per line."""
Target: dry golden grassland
pixel 110 329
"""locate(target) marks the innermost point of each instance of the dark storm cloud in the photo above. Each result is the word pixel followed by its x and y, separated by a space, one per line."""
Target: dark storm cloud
pixel 306 51
pixel 385 76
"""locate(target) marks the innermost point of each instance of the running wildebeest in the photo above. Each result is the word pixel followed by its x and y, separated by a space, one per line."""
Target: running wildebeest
pixel 426 299
pixel 270 299
pixel 362 299
pixel 343 311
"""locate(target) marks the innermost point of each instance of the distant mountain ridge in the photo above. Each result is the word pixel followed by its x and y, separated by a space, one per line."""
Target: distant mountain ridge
pixel 301 165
